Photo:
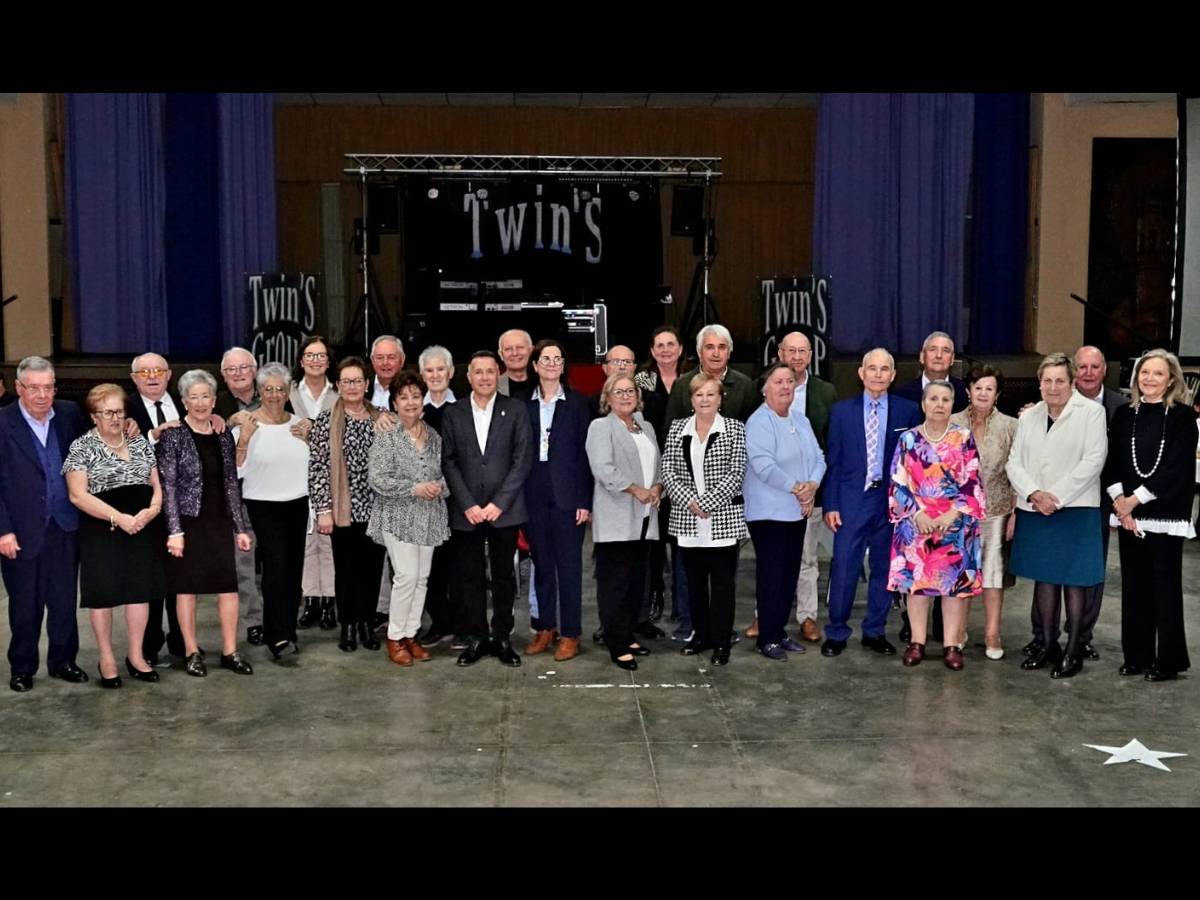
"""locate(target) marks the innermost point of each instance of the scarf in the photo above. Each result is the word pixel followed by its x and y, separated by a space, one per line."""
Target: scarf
pixel 339 479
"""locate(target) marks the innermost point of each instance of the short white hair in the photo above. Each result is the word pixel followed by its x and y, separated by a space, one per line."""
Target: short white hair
pixel 273 370
pixel 133 366
pixel 233 350
pixel 193 377
pixel 884 351
pixel 520 331
pixel 387 337
pixel 435 350
pixel 720 331
pixel 937 334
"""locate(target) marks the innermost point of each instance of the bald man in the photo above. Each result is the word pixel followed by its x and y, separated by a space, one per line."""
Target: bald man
pixel 516 346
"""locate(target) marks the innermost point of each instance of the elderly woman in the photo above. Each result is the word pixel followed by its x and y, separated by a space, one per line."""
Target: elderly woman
pixel 340 494
pixel 1149 476
pixel 273 465
pixel 703 467
pixel 558 495
pixel 312 394
pixel 1054 468
pixel 113 480
pixel 785 468
pixel 935 501
pixel 408 512
pixel 623 455
pixel 993 433
pixel 204 508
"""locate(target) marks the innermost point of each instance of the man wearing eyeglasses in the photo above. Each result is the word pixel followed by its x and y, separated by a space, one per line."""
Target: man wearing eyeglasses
pixel 619 360
pixel 38 556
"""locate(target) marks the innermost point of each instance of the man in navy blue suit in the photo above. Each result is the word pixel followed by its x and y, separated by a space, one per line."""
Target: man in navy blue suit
pixel 38 525
pixel 862 438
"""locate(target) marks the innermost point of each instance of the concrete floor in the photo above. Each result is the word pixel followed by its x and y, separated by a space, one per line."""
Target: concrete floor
pixel 336 729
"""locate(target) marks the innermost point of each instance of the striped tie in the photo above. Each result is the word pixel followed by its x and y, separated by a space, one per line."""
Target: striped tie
pixel 872 442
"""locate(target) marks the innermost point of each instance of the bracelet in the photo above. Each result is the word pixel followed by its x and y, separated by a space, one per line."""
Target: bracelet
pixel 112 522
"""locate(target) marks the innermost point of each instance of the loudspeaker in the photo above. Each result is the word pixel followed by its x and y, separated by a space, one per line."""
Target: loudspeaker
pixel 383 208
pixel 687 210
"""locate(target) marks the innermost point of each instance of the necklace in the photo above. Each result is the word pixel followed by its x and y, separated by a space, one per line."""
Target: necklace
pixel 116 446
pixel 1162 442
pixel 938 439
pixel 196 428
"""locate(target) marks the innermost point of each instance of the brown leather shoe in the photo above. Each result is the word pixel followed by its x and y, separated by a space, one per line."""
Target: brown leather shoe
pixel 398 653
pixel 914 654
pixel 953 658
pixel 416 651
pixel 809 631
pixel 752 631
pixel 540 643
pixel 568 648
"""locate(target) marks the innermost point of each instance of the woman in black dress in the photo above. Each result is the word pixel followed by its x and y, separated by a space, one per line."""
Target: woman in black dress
pixel 204 509
pixel 113 480
pixel 1149 473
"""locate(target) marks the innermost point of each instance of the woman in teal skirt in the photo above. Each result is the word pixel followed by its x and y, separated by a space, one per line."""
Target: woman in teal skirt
pixel 1054 468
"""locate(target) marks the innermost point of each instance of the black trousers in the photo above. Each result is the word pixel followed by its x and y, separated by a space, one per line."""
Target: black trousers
pixel 357 571
pixel 437 591
pixel 777 551
pixel 620 577
pixel 711 574
pixel 45 584
pixel 468 580
pixel 281 528
pixel 1152 601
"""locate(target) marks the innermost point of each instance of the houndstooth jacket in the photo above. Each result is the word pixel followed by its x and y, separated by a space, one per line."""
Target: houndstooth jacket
pixel 724 471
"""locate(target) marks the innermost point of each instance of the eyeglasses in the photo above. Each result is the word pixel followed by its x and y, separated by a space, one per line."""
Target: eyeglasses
pixel 624 392
pixel 796 351
pixel 316 357
pixel 352 382
pixel 38 389
pixel 621 363
pixel 150 373
pixel 111 414
pixel 244 367
pixel 551 360
pixel 274 389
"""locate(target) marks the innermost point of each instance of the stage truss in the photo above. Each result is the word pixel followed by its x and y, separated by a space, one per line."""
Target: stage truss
pixel 451 165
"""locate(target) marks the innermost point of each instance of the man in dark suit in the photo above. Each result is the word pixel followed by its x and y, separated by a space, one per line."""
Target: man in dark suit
pixel 38 525
pixel 937 357
pixel 862 438
pixel 1090 371
pixel 486 454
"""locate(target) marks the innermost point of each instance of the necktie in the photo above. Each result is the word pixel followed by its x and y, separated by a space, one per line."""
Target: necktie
pixel 872 442
pixel 160 417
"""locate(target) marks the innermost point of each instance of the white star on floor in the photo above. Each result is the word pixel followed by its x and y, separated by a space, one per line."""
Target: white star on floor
pixel 1135 751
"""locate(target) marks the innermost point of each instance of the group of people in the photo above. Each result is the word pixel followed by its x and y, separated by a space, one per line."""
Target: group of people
pixel 374 495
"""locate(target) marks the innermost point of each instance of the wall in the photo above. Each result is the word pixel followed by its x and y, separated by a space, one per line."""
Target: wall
pixel 1055 320
pixel 764 200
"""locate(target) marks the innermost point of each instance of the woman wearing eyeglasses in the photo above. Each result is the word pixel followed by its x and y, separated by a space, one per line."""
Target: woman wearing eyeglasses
pixel 313 392
pixel 558 495
pixel 340 494
pixel 113 481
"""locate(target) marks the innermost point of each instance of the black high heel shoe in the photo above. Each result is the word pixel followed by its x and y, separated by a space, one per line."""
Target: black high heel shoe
pixel 629 665
pixel 366 636
pixel 347 644
pixel 279 648
pixel 110 683
pixel 639 650
pixel 138 674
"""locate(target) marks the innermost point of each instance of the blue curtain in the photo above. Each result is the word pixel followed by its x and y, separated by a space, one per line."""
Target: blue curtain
pixel 246 192
pixel 890 220
pixel 115 199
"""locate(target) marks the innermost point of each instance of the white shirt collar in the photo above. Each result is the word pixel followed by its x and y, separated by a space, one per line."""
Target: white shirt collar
pixel 475 407
pixel 537 392
pixel 717 426
pixel 449 398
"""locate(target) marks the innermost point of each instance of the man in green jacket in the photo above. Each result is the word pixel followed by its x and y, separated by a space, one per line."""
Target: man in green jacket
pixel 713 346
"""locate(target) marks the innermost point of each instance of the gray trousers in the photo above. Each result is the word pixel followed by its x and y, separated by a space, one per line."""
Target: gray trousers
pixel 250 601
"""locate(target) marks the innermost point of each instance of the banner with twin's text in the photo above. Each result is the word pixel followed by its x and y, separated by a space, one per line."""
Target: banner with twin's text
pixel 797 300
pixel 283 312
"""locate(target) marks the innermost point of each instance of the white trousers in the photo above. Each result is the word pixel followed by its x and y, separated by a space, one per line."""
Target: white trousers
pixel 410 563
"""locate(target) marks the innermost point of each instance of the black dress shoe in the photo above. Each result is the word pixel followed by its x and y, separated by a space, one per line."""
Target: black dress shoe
pixel 1033 647
pixel 720 656
pixel 328 614
pixel 504 652
pixel 1087 651
pixel 656 606
pixel 905 629
pixel 639 650
pixel 312 613
pixel 111 683
pixel 20 682
pixel 1043 657
pixel 695 646
pixel 431 637
pixel 649 630
pixel 347 644
pixel 254 635
pixel 138 674
pixel 366 637
pixel 879 644
pixel 236 663
pixel 1157 674
pixel 1067 667
pixel 195 666
pixel 70 672
pixel 279 648
pixel 832 647
pixel 378 620
pixel 476 650
pixel 1131 670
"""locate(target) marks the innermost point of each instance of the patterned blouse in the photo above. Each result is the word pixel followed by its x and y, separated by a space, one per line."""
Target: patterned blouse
pixel 356 451
pixel 105 469
pixel 993 456
pixel 396 466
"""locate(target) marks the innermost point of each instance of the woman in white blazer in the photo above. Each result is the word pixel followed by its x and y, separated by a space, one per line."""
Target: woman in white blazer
pixel 624 458
pixel 1054 467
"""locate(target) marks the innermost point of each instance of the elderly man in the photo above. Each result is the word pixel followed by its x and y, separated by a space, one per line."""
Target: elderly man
pixel 619 360
pixel 862 438
pixel 813 399
pixel 1090 371
pixel 487 451
pixel 714 345
pixel 937 358
pixel 38 526
pixel 516 346
pixel 387 358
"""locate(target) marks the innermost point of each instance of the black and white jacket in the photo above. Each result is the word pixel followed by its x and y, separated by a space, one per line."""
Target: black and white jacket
pixel 724 471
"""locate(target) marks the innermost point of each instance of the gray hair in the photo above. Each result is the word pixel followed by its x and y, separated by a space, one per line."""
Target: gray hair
pixel 227 354
pixel 1057 359
pixel 720 331
pixel 884 351
pixel 937 384
pixel 193 377
pixel 34 364
pixel 133 366
pixel 387 337
pixel 936 334
pixel 273 370
pixel 520 331
pixel 435 350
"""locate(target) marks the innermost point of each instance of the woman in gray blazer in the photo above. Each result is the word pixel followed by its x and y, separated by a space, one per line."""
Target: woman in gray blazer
pixel 623 454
